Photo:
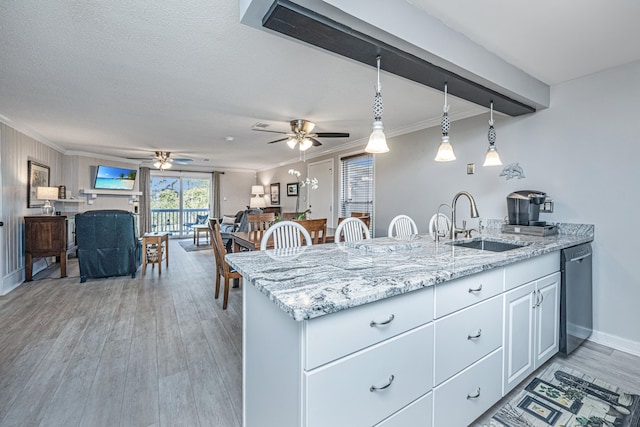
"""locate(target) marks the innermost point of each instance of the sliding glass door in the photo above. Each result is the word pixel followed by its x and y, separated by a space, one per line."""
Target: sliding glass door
pixel 179 200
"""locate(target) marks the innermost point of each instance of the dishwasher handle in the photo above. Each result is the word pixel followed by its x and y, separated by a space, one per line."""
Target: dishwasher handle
pixel 579 258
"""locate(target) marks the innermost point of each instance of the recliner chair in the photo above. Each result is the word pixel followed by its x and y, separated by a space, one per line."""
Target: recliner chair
pixel 108 243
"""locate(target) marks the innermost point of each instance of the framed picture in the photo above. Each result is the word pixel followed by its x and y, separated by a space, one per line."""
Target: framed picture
pixel 275 193
pixel 540 410
pixel 292 189
pixel 39 175
pixel 554 395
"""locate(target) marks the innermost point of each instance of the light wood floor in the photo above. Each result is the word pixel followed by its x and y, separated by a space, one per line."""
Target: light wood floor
pixel 151 351
pixel 154 350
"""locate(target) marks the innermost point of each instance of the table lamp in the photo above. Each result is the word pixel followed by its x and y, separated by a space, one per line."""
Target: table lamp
pixel 47 194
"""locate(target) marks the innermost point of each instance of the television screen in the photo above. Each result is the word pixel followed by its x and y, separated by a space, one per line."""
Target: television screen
pixel 110 178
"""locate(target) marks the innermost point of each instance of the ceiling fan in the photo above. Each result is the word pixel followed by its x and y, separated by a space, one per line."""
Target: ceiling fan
pixel 302 135
pixel 163 160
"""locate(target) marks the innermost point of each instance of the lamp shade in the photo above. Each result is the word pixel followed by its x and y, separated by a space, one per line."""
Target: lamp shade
pixel 47 193
pixel 257 190
pixel 377 141
pixel 492 158
pixel 445 151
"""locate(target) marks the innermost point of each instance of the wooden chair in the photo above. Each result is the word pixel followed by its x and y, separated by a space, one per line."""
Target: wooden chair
pixel 317 229
pixel 260 222
pixel 402 226
pixel 288 216
pixel 286 234
pixel 352 229
pixel 222 268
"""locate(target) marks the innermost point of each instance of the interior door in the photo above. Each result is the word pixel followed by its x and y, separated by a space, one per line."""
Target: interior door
pixel 321 199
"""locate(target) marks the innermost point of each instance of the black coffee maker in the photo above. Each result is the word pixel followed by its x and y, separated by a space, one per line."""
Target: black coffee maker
pixel 523 207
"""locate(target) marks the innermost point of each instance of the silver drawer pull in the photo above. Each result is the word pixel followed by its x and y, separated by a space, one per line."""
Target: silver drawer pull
pixel 474 396
pixel 382 387
pixel 386 322
pixel 478 289
pixel 477 335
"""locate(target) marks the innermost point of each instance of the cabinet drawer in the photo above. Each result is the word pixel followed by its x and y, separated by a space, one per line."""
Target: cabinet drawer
pixel 454 404
pixel 330 337
pixel 460 293
pixel 531 269
pixel 339 394
pixel 418 413
pixel 454 349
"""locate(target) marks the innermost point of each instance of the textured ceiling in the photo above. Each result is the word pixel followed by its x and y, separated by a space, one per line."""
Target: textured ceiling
pixel 130 77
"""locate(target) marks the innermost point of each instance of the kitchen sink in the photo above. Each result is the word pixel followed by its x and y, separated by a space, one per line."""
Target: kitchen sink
pixel 488 245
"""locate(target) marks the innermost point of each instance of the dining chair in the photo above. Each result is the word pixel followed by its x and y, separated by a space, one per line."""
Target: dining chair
pixel 402 226
pixel 365 219
pixel 286 234
pixel 260 222
pixel 439 226
pixel 223 269
pixel 352 229
pixel 317 229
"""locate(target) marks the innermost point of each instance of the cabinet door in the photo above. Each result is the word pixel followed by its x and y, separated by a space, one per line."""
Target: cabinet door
pixel 519 332
pixel 547 318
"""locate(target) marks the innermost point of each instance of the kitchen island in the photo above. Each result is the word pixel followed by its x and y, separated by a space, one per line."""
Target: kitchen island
pixel 360 334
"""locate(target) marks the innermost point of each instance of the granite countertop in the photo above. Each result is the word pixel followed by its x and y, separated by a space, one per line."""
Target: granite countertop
pixel 312 281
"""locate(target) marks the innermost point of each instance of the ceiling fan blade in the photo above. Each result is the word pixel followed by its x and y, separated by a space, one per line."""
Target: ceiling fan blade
pixel 277 140
pixel 270 131
pixel 332 135
pixel 316 143
pixel 181 161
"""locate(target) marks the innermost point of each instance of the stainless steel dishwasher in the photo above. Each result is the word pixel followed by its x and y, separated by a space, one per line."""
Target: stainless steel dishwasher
pixel 576 300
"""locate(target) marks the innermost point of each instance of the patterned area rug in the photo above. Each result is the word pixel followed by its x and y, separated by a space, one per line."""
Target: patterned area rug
pixel 188 245
pixel 562 397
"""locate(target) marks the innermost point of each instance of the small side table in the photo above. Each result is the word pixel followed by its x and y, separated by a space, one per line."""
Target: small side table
pixel 197 229
pixel 160 239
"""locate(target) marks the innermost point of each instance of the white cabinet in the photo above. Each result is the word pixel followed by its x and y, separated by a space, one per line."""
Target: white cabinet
pixel 532 315
pixel 359 367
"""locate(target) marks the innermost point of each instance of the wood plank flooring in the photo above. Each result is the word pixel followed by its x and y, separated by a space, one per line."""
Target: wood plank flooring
pixel 151 351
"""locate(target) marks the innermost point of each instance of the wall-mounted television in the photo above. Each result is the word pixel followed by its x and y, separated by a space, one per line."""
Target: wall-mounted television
pixel 111 178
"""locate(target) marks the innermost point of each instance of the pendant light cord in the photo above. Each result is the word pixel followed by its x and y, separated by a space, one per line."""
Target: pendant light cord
pixel 491 119
pixel 445 109
pixel 378 85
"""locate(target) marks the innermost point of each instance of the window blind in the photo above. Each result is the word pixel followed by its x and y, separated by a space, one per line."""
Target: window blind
pixel 356 185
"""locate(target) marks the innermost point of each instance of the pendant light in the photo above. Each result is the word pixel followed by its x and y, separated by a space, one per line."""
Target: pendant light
pixel 445 150
pixel 492 158
pixel 377 141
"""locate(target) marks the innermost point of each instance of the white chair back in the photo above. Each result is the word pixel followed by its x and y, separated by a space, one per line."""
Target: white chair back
pixel 286 234
pixel 352 229
pixel 402 226
pixel 440 224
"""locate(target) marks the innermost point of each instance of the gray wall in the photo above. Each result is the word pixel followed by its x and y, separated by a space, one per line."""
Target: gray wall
pixel 582 151
pixel 16 149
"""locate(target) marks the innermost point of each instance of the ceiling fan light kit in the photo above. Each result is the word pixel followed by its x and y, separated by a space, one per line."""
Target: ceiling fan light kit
pixel 377 141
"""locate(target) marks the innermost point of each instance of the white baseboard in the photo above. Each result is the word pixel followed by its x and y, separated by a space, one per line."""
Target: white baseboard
pixel 11 281
pixel 616 342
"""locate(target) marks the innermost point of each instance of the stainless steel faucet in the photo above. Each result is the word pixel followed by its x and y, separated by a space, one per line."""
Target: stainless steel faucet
pixel 474 214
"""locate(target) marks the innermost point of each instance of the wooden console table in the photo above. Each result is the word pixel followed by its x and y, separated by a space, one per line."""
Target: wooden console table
pixel 47 235
pixel 157 239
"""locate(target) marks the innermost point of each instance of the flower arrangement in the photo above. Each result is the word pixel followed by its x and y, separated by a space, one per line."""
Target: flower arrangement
pixel 312 182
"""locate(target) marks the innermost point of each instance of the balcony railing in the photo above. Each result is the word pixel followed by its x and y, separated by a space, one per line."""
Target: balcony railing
pixel 169 220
